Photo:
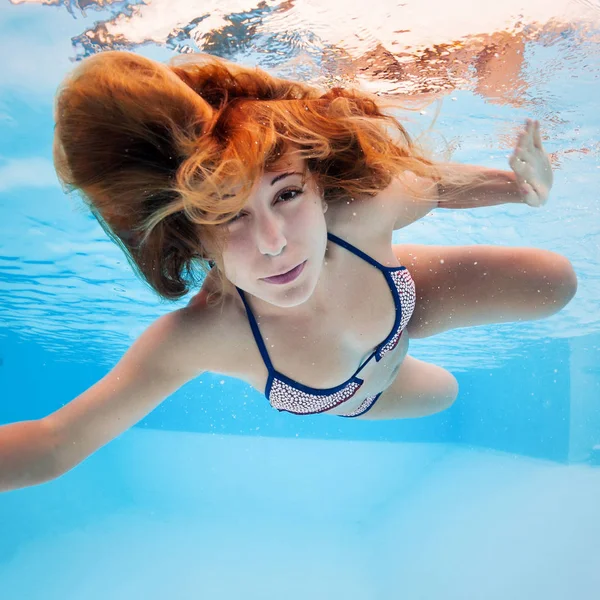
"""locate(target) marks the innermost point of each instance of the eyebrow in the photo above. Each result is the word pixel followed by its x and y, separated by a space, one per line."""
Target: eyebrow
pixel 282 175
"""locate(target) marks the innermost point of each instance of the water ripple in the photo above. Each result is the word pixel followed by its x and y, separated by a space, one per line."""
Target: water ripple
pixel 62 280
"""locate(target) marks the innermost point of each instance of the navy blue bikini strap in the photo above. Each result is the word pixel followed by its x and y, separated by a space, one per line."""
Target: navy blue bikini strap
pixel 367 361
pixel 256 332
pixel 356 251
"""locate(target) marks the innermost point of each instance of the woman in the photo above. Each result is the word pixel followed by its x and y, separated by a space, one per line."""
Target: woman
pixel 291 195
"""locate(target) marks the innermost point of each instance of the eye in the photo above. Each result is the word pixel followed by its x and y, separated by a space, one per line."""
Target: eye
pixel 285 196
pixel 293 192
pixel 234 219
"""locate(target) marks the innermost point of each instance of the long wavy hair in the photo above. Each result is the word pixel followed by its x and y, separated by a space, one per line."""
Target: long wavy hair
pixel 164 153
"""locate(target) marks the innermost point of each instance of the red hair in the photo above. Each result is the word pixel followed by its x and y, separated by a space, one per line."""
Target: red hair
pixel 163 153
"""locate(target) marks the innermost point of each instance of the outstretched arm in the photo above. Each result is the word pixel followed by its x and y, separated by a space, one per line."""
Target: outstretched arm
pixel 161 360
pixel 410 197
pixel 528 182
pixel 482 186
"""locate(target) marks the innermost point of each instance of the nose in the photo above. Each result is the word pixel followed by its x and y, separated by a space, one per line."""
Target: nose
pixel 270 238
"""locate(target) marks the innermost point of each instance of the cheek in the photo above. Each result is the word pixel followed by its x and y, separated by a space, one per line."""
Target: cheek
pixel 234 262
pixel 316 223
pixel 311 217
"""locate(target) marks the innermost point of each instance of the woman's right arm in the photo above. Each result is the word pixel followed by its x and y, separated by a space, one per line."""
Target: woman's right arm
pixel 173 350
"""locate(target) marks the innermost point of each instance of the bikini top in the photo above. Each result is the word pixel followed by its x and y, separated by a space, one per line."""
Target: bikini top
pixel 288 395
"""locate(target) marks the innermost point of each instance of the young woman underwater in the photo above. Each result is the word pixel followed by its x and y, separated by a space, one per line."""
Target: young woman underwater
pixel 286 196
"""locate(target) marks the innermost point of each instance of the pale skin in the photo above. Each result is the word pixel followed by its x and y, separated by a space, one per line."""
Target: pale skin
pixel 318 328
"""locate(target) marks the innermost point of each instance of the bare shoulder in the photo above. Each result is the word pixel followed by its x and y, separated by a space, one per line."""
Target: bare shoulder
pixel 211 332
pixel 405 200
pixel 180 340
pixel 373 219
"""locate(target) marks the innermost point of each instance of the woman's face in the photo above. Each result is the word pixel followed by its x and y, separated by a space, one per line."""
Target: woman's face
pixel 281 226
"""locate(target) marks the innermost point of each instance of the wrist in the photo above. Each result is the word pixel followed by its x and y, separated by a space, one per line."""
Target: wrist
pixel 513 190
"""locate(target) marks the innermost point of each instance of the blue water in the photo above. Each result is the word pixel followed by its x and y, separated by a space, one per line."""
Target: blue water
pixel 216 495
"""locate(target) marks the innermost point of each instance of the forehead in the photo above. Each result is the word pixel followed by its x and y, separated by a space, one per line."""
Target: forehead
pixel 288 162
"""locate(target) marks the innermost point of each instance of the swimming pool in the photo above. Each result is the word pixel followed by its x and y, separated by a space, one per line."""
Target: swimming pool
pixel 215 494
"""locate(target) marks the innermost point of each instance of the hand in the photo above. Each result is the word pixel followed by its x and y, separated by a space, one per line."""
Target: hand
pixel 531 166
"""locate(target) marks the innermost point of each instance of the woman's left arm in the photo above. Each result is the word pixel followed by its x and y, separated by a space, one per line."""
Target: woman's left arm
pixel 529 182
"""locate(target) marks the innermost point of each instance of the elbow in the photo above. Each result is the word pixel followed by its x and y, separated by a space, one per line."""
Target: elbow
pixel 568 282
pixel 51 466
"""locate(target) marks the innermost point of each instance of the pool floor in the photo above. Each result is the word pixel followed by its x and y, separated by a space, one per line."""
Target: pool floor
pixel 174 515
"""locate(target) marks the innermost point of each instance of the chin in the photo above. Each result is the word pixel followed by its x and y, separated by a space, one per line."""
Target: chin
pixel 292 301
pixel 288 298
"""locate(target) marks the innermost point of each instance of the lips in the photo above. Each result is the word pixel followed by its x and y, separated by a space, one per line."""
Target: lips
pixel 287 277
pixel 283 272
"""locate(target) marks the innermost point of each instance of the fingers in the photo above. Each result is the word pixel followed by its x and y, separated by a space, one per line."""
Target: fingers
pixel 527 161
pixel 529 135
pixel 528 140
pixel 537 137
pixel 524 141
pixel 521 151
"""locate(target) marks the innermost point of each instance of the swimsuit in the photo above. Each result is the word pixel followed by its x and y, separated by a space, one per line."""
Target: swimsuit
pixel 288 395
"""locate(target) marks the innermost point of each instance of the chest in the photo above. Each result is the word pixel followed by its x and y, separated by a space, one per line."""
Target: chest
pixel 327 349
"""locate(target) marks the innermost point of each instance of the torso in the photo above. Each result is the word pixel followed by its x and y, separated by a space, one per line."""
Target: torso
pixel 327 350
